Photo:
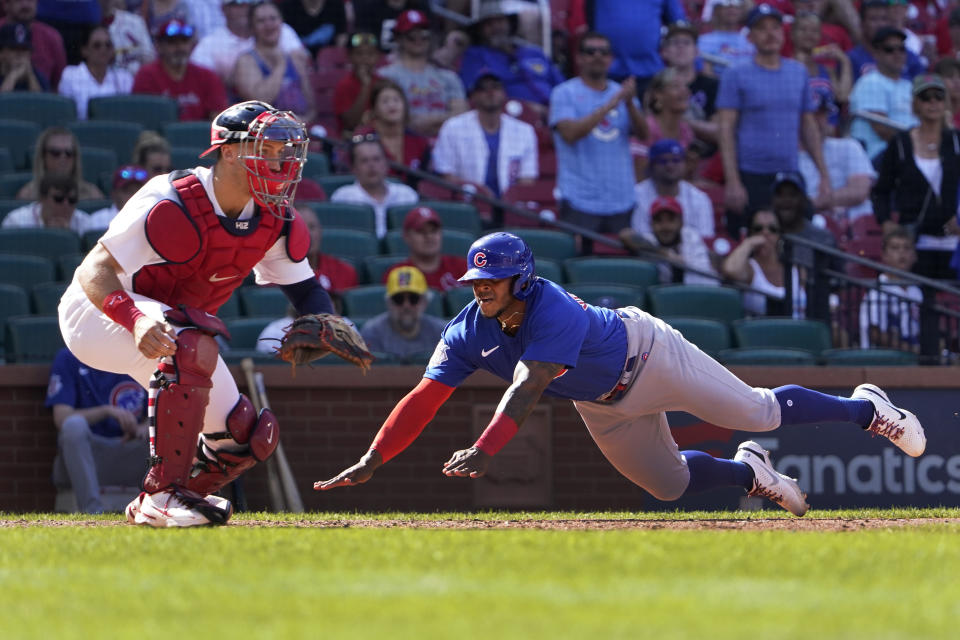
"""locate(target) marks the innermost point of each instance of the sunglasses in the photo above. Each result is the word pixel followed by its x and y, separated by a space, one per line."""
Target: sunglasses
pixel 931 96
pixel 130 173
pixel 361 39
pixel 365 137
pixel 72 198
pixel 178 30
pixel 399 298
pixel 57 153
pixel 595 51
pixel 899 49
pixel 760 228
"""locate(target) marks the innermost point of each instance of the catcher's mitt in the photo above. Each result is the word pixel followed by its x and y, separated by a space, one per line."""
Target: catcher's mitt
pixel 313 336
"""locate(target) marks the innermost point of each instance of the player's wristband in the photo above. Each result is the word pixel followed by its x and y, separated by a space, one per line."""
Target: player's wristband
pixel 119 307
pixel 498 433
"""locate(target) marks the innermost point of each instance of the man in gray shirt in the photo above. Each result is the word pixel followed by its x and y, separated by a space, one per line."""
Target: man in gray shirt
pixel 404 331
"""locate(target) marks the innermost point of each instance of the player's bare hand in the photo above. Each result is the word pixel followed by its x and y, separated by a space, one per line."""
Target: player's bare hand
pixel 357 474
pixel 128 422
pixel 735 196
pixel 467 463
pixel 154 339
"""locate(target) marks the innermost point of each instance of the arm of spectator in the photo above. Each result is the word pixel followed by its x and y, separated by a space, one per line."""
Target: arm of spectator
pixel 350 119
pixel 572 130
pixel 842 77
pixel 854 192
pixel 735 195
pixel 706 130
pixel 93 415
pixel 252 84
pixel 813 143
pixel 882 130
pixel 737 265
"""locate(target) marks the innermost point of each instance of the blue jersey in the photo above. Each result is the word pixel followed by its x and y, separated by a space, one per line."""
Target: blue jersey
pixel 81 387
pixel 558 327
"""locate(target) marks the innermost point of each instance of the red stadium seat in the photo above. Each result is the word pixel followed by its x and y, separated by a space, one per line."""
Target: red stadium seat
pixel 536 197
pixel 548 164
pixel 865 226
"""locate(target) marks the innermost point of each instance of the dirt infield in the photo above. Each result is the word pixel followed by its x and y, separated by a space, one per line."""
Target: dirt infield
pixel 584 524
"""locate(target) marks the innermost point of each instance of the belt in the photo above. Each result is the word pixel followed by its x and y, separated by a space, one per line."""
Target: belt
pixel 631 369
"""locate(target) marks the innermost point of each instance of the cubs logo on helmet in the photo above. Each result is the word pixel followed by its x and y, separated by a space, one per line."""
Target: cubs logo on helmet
pixel 502 255
pixel 480 259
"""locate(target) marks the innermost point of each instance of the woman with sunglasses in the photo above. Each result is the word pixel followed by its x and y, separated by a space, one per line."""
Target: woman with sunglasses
pixel 96 75
pixel 57 151
pixel 756 262
pixel 389 118
pixel 918 176
pixel 55 208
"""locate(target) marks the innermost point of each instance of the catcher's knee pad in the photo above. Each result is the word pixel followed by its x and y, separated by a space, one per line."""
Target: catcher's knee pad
pixel 216 468
pixel 182 391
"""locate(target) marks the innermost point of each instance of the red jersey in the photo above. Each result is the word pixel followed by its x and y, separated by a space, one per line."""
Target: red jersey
pixel 829 34
pixel 200 93
pixel 445 276
pixel 334 274
pixel 345 93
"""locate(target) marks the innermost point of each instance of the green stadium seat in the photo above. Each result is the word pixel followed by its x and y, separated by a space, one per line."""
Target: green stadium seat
pixel 189 157
pixel 394 244
pixel 19 137
pixel 231 308
pixel 770 357
pixel 712 336
pixel 376 266
pixel 119 137
pixel 332 183
pixel 546 268
pixel 546 243
pixel 350 243
pixel 10 183
pixel 782 333
pixel 457 243
pixel 97 162
pixel 259 301
pixel 33 339
pixel 436 306
pixel 362 303
pixel 187 134
pixel 13 302
pixel 151 112
pixel 24 270
pixel 696 301
pixel 869 358
pixel 245 331
pixel 317 166
pixel 91 206
pixel 47 243
pixel 338 215
pixel 44 109
pixel 455 215
pixel 90 238
pixel 629 271
pixel 67 264
pixel 6 161
pixel 46 297
pixel 457 299
pixel 612 295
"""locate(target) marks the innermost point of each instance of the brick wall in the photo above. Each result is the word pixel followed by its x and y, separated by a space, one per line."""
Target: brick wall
pixel 328 416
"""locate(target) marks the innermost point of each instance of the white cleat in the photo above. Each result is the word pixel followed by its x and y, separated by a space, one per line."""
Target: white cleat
pixel 180 508
pixel 898 425
pixel 768 483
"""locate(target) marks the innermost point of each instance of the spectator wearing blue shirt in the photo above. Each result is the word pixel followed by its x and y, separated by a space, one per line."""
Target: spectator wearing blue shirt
pixel 725 45
pixel 765 108
pixel 100 417
pixel 592 118
pixel 526 72
pixel 874 16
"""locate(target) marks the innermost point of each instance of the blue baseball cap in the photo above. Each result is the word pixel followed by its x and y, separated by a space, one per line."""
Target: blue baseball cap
pixel 666 146
pixel 793 177
pixel 762 11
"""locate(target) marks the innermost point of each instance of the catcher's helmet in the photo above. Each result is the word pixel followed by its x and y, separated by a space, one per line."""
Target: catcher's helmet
pixel 272 177
pixel 501 255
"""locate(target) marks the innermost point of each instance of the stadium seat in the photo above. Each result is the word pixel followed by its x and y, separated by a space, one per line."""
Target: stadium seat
pixel 13 302
pixel 46 297
pixel 187 134
pixel 67 264
pixel 457 243
pixel 333 182
pixel 612 296
pixel 711 336
pixel 231 308
pixel 455 215
pixel 119 137
pixel 770 357
pixel 535 197
pixel 33 339
pixel 152 112
pixel 338 215
pixel 393 242
pixel 350 243
pixel 6 161
pixel 44 242
pixel 696 301
pixel 45 109
pixel 782 333
pixel 457 299
pixel 11 183
pixel 630 271
pixel 317 166
pixel 546 243
pixel 94 205
pixel 431 191
pixel 189 157
pixel 96 162
pixel 546 268
pixel 245 331
pixel 19 136
pixel 24 270
pixel 376 266
pixel 260 301
pixel 869 357
pixel 365 302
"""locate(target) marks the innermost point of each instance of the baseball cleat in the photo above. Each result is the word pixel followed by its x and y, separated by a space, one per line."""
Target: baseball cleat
pixel 899 426
pixel 768 483
pixel 178 508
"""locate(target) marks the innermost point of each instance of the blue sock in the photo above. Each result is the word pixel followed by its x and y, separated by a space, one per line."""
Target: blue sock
pixel 707 472
pixel 799 405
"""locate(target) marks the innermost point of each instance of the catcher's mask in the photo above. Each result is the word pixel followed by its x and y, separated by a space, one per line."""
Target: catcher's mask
pixel 501 255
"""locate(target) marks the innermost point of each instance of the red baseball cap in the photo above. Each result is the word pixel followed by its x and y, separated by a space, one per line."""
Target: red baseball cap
pixel 419 217
pixel 410 20
pixel 666 203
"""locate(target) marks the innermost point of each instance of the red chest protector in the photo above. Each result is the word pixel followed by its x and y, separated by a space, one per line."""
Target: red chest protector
pixel 207 256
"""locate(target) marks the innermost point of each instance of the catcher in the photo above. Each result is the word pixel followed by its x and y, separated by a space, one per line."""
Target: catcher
pixel 143 302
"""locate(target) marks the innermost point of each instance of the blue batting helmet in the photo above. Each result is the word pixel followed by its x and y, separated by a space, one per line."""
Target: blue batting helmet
pixel 501 255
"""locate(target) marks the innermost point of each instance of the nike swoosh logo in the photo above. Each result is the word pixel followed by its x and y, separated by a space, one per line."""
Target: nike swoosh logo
pixel 486 352
pixel 903 416
pixel 214 278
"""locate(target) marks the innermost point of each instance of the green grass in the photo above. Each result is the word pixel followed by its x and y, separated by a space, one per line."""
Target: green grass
pixel 399 582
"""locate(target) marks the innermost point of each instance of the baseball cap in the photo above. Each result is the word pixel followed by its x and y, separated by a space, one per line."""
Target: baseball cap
pixel 15 35
pixel 410 20
pixel 406 279
pixel 762 11
pixel 420 216
pixel 666 146
pixel 666 203
pixel 883 33
pixel 680 26
pixel 793 177
pixel 129 174
pixel 483 74
pixel 241 1
pixel 926 81
pixel 174 28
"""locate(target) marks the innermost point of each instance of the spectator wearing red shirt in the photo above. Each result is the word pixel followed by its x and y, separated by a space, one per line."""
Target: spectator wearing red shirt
pixel 351 96
pixel 199 91
pixel 49 55
pixel 830 33
pixel 334 274
pixel 389 116
pixel 423 233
